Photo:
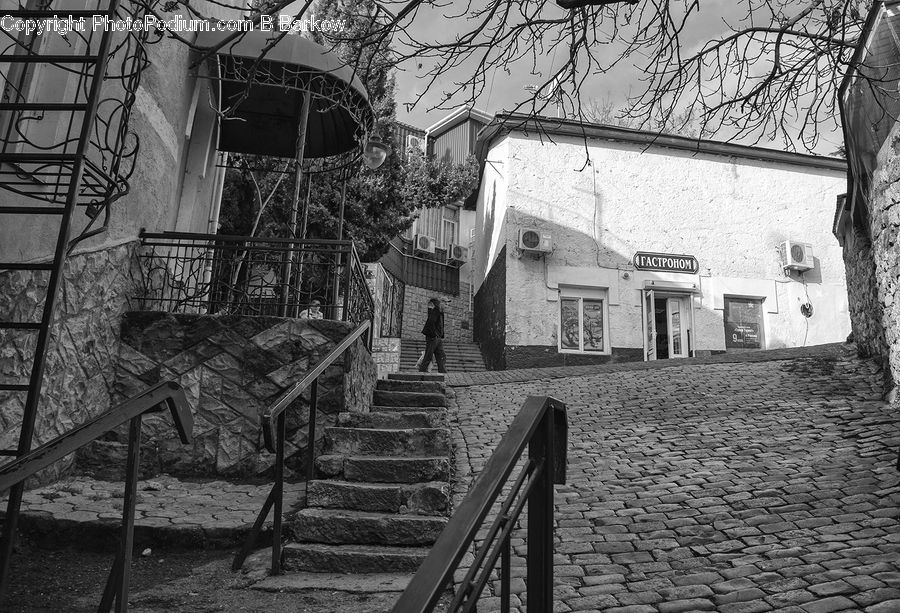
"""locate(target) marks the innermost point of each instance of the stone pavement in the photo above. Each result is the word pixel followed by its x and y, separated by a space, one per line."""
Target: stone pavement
pixel 735 487
pixel 170 511
pixel 463 379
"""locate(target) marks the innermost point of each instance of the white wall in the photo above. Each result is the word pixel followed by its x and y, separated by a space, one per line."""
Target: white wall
pixel 731 213
pixel 490 211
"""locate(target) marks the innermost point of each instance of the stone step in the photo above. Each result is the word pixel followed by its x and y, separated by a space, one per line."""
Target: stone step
pixel 415 376
pixel 432 498
pixel 384 469
pixel 393 385
pixel 314 557
pixel 370 584
pixel 408 399
pixel 345 527
pixel 400 442
pixel 437 410
pixel 394 419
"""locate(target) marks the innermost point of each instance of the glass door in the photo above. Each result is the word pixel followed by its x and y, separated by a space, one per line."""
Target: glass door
pixel 676 324
pixel 649 326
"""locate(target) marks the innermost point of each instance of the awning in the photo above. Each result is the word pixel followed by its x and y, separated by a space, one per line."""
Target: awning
pixel 679 287
pixel 265 119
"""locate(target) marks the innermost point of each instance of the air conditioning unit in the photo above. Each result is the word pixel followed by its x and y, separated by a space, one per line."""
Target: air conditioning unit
pixel 457 253
pixel 535 241
pixel 797 256
pixel 425 243
pixel 415 142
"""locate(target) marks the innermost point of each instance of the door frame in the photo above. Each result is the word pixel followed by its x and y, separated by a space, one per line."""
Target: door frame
pixel 648 321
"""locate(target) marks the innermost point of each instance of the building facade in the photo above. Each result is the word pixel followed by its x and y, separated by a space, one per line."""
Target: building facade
pixel 655 247
pixel 432 258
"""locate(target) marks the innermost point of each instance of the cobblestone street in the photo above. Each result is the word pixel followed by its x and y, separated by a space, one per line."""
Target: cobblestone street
pixel 734 487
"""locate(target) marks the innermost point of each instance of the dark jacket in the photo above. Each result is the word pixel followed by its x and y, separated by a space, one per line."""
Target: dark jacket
pixel 434 325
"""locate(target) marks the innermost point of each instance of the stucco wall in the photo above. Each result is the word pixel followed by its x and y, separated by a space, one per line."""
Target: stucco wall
pixel 490 212
pixel 730 213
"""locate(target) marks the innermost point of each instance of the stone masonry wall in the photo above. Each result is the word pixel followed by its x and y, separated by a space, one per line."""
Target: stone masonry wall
pixel 81 360
pixel 490 322
pixel 862 289
pixel 884 221
pixel 233 368
pixel 457 316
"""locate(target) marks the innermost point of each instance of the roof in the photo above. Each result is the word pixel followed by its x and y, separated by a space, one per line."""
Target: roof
pixel 456 117
pixel 504 124
pixel 408 127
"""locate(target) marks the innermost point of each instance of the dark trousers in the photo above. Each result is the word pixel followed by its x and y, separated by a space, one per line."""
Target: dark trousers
pixel 434 346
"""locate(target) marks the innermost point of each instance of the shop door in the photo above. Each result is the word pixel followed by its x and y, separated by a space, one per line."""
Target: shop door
pixel 677 328
pixel 649 325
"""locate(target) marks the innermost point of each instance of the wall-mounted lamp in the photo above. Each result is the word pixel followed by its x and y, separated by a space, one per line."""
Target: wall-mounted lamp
pixel 374 153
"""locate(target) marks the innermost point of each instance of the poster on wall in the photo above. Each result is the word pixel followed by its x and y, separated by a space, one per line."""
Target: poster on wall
pixel 743 324
pixel 569 324
pixel 593 325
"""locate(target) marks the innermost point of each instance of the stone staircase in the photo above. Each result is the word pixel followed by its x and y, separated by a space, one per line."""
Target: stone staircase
pixel 461 357
pixel 383 495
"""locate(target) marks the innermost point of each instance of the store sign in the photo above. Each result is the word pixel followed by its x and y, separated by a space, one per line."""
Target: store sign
pixel 666 262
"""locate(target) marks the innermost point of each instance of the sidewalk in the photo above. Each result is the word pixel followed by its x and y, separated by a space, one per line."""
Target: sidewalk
pixel 170 511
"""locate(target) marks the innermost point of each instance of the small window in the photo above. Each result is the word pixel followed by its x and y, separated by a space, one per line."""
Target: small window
pixel 744 323
pixel 583 325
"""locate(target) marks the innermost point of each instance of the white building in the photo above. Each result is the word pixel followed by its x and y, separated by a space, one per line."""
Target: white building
pixel 659 247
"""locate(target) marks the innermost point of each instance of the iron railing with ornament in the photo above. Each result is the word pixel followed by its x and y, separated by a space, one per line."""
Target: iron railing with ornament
pixel 239 275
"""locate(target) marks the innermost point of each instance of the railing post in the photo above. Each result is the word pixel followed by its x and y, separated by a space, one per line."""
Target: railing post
pixel 279 496
pixel 120 575
pixel 311 429
pixel 540 519
pixel 348 281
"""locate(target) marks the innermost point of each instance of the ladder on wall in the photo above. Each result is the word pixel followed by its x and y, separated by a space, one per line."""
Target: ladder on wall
pixel 51 88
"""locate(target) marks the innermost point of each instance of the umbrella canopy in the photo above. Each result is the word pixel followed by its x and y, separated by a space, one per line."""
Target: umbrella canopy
pixel 264 96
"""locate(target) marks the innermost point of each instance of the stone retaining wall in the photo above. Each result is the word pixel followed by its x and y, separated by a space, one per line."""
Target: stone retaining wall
pixel 233 368
pixel 95 292
pixel 873 265
pixel 457 316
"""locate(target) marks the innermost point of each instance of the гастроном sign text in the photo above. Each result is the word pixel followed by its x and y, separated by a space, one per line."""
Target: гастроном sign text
pixel 666 262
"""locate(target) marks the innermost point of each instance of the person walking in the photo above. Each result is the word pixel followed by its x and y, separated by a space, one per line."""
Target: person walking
pixel 434 337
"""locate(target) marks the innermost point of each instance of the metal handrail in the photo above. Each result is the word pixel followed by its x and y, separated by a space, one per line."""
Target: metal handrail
pixel 166 395
pixel 541 425
pixel 273 427
pixel 186 272
pixel 347 244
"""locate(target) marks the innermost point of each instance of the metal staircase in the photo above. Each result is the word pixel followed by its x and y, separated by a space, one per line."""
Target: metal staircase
pixel 65 155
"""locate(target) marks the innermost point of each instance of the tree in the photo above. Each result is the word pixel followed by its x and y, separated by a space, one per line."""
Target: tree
pixel 772 74
pixel 769 72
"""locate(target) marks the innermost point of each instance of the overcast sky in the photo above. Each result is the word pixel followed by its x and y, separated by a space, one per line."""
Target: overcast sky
pixel 509 89
pixel 504 91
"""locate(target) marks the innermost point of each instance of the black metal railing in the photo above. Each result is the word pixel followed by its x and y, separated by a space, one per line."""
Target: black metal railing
pixel 165 395
pixel 542 426
pixel 273 427
pixel 421 272
pixel 239 275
